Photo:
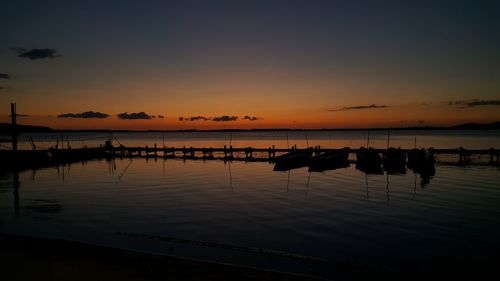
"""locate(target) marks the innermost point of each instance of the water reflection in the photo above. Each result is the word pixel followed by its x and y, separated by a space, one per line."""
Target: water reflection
pixel 42 205
pixel 347 214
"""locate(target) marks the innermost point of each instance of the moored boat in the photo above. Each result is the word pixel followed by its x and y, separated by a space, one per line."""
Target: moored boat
pixel 330 160
pixel 420 158
pixel 368 157
pixel 294 159
pixel 394 160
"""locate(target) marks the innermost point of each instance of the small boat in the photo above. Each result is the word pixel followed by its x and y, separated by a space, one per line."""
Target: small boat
pixel 394 160
pixel 330 160
pixel 368 157
pixel 294 159
pixel 420 158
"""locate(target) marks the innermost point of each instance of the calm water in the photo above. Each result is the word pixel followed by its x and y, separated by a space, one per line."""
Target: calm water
pixel 395 221
pixel 405 139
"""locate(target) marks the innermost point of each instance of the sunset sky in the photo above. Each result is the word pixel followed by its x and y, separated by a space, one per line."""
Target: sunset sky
pixel 294 64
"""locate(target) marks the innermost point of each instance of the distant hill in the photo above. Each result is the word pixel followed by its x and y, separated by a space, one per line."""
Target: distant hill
pixel 475 126
pixel 7 128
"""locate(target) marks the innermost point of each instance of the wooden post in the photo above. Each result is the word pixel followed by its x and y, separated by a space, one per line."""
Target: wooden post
pixel 388 138
pixel 15 182
pixel 13 115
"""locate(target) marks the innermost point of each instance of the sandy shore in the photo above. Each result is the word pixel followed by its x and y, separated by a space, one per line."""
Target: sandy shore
pixel 27 258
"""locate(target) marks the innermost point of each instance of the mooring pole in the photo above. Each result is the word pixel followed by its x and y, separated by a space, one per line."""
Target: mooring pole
pixel 15 182
pixel 388 138
pixel 13 115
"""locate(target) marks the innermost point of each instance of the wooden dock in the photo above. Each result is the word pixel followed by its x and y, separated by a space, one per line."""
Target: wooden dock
pixel 50 157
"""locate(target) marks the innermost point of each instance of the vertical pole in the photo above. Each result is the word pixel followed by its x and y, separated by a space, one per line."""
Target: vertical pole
pixel 13 115
pixel 287 143
pixel 16 191
pixel 368 140
pixel 388 138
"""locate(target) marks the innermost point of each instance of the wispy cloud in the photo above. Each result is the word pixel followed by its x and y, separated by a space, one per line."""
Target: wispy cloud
pixel 85 115
pixel 4 76
pixel 194 118
pixel 161 116
pixel 132 116
pixel 35 54
pixel 359 107
pixel 225 118
pixel 473 103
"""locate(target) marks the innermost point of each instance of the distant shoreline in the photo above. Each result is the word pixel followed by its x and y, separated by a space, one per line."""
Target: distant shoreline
pixel 7 128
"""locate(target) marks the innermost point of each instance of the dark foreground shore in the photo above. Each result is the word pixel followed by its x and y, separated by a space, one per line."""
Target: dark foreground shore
pixel 28 258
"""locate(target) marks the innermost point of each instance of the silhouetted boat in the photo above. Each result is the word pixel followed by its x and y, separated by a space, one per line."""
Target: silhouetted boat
pixel 330 160
pixel 394 160
pixel 294 159
pixel 422 162
pixel 420 158
pixel 368 157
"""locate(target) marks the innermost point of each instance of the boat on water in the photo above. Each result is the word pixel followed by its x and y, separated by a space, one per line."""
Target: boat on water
pixel 420 158
pixel 422 162
pixel 368 157
pixel 330 160
pixel 294 159
pixel 394 160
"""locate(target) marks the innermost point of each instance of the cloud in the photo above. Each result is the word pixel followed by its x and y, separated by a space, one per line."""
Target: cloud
pixel 473 103
pixel 194 118
pixel 251 118
pixel 371 106
pixel 161 116
pixel 4 76
pixel 225 118
pixel 35 54
pixel 86 115
pixel 132 116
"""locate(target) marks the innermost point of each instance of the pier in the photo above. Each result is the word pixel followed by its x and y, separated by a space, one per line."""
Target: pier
pixel 55 156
